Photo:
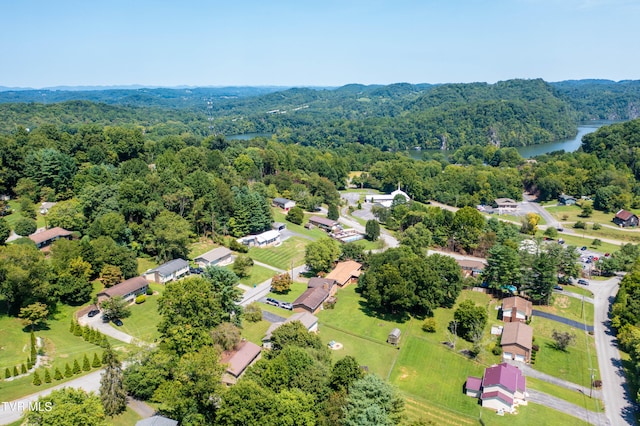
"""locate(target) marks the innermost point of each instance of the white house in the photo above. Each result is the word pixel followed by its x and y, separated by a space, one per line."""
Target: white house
pixel 387 199
pixel 284 203
pixel 266 239
pixel 170 271
pixel 218 257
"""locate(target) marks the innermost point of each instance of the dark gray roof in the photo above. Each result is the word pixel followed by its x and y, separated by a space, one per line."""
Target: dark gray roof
pixel 157 421
pixel 171 266
pixel 281 200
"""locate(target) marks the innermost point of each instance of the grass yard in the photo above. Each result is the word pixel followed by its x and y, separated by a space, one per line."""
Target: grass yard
pixel 257 275
pixel 312 234
pixel 61 347
pixel 579 241
pixel 144 264
pixel 126 418
pixel 574 363
pixel 255 331
pixel 288 253
pixel 296 290
pixel 572 212
pixel 16 215
pixel 577 290
pixel 569 307
pixel 201 247
pixel 144 319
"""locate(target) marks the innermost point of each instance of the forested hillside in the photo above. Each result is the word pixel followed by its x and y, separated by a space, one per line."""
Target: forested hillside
pixel 393 117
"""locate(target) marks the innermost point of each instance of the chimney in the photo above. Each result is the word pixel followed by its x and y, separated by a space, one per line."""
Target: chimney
pixel 514 314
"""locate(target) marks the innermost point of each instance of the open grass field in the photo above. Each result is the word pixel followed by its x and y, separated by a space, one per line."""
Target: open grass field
pixel 144 264
pixel 579 241
pixel 296 290
pixel 577 290
pixel 572 396
pixel 288 253
pixel 312 234
pixel 572 212
pixel 200 247
pixel 255 331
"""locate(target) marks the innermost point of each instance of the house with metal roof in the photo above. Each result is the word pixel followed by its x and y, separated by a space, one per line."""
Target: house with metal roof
pixel 503 387
pixel 219 256
pixel 127 289
pixel 625 219
pixel 328 225
pixel 283 203
pixel 170 271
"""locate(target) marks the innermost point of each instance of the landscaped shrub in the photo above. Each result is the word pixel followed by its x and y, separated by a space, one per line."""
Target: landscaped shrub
pixel 497 349
pixel 140 299
pixel 580 225
pixel 86 334
pixel 236 246
pixel 23 369
pixel 36 379
pixel 597 226
pixel 535 348
pixel 149 291
pixel 86 366
pixel 96 361
pixel 253 312
pixel 72 326
pixel 104 342
pixel 67 370
pixel 76 367
pixel 29 364
pixel 429 325
pixel 77 331
pixel 7 373
pixel 15 371
pixel 47 376
pixel 57 374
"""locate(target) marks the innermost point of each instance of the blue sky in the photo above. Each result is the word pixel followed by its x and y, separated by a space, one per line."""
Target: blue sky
pixel 314 43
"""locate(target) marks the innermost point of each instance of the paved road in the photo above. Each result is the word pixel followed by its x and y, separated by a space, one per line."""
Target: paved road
pixel 619 407
pixel 268 316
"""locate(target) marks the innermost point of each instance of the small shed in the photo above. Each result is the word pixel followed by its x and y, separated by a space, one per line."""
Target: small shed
pixel 394 336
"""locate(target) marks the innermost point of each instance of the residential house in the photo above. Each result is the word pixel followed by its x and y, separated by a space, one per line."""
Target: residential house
pixel 48 236
pixel 284 203
pixel 311 300
pixel 470 267
pixel 516 341
pixel 503 387
pixel 345 273
pixel 324 223
pixel 625 219
pixel 128 289
pixel 347 236
pixel 170 271
pixel 45 207
pixel 266 239
pixel 386 200
pixel 516 309
pixel 217 257
pixel 327 283
pixel 238 359
pixel 309 321
pixel 566 200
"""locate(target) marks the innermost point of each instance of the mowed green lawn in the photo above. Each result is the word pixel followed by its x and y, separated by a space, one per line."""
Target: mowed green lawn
pixel 430 374
pixel 290 252
pixel 144 319
pixel 257 274
pixel 61 347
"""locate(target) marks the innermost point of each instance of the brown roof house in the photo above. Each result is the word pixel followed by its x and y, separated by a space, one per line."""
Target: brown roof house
pixel 326 283
pixel 470 267
pixel 311 300
pixel 238 359
pixel 516 341
pixel 516 309
pixel 328 225
pixel 48 236
pixel 128 289
pixel 346 273
pixel 625 219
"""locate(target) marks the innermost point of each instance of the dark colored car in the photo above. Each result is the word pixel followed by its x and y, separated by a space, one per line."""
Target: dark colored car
pixel 583 282
pixel 583 248
pixel 558 287
pixel 273 302
pixel 92 313
pixel 117 322
pixel 195 270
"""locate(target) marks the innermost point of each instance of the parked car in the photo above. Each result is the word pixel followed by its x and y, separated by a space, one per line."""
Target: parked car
pixel 273 302
pixel 560 229
pixel 117 322
pixel 286 305
pixel 560 241
pixel 195 270
pixel 583 248
pixel 607 254
pixel 92 313
pixel 583 282
pixel 558 287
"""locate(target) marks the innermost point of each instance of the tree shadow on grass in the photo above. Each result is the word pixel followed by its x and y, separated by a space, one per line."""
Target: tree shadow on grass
pixel 397 317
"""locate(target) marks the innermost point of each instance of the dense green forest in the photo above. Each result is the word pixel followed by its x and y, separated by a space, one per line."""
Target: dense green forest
pixel 394 117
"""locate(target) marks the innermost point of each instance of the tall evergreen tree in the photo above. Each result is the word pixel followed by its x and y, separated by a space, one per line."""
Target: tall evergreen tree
pixel 112 392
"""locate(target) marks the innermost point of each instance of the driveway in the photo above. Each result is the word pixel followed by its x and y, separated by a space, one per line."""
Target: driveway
pixel 566 407
pixel 105 328
pixel 563 320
